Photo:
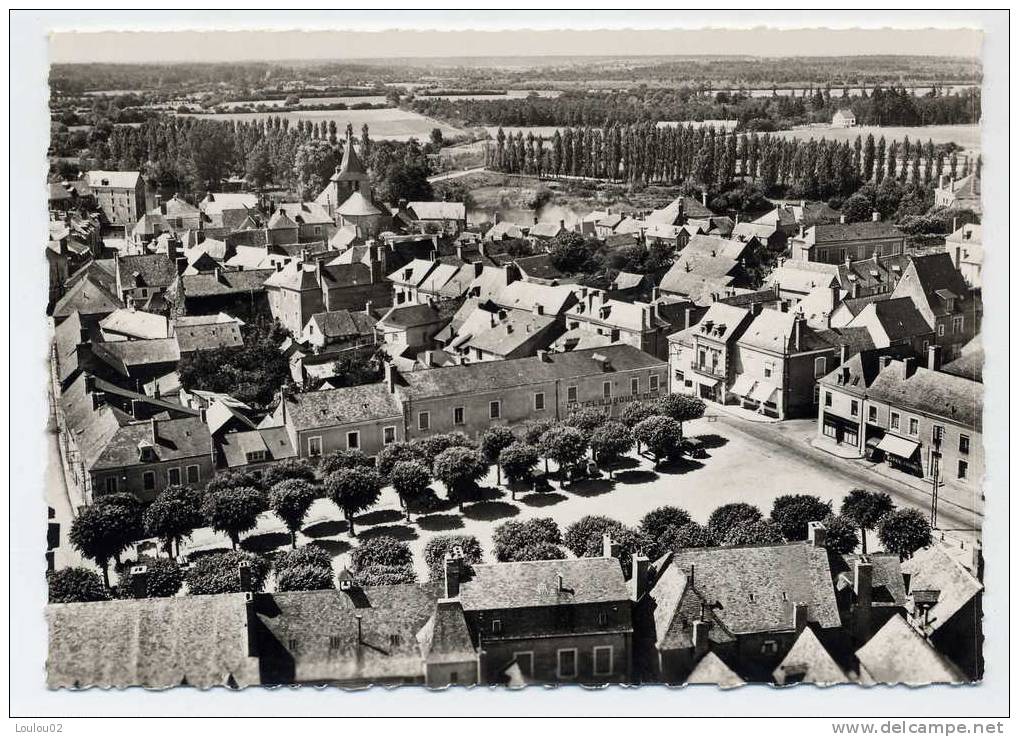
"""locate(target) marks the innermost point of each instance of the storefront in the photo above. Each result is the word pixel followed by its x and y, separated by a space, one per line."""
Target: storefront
pixel 709 388
pixel 841 430
pixel 901 453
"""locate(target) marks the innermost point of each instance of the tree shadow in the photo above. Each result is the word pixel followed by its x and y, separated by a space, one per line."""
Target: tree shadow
pixel 439 522
pixel 591 487
pixel 194 555
pixel 265 541
pixel 327 528
pixel 333 547
pixel 542 499
pixel 711 440
pixel 400 532
pixel 487 493
pixel 430 502
pixel 636 476
pixel 625 463
pixel 378 517
pixel 489 511
pixel 679 466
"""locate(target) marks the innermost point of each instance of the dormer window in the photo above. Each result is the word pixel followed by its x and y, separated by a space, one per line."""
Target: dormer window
pixel 255 456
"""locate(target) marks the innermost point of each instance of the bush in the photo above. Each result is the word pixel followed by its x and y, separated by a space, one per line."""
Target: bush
pixel 70 585
pixel 518 460
pixel 904 531
pixel 410 479
pixel 840 535
pixel 341 459
pixel 288 470
pixel 378 575
pixel 690 535
pixel 394 453
pixel 381 551
pixel 163 577
pixel 660 434
pixel 437 547
pixel 657 521
pixel 586 419
pixel 304 577
pixel 636 412
pixel 538 551
pixel 306 555
pixel 220 574
pixel 792 512
pixel 727 516
pixel 233 510
pixel 534 430
pixel 757 532
pixel 510 537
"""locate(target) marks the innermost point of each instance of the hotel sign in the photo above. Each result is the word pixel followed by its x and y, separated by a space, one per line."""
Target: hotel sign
pixel 612 401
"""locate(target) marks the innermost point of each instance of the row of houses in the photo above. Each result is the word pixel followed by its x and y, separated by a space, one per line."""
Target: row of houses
pixel 784 614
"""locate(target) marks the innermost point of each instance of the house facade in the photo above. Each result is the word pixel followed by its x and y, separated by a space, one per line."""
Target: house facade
pixel 837 243
pixel 120 196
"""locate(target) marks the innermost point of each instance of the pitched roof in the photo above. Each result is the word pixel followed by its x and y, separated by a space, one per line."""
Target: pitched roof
pixel 199 641
pixel 347 405
pixel 438 210
pixel 524 295
pixel 932 569
pixel 712 670
pixel 223 283
pixel 809 662
pixel 745 231
pixel 408 316
pixel 504 229
pixel 274 441
pixel 280 220
pixel 343 323
pixel 887 585
pixel 898 654
pixel 898 317
pixel 87 297
pixel 215 203
pixel 116 179
pixel 931 392
pixel 511 333
pixel 970 363
pixel 773 330
pixel 539 267
pixel 722 322
pixel 803 276
pixel 547 229
pixel 932 281
pixel 445 638
pixel 350 166
pixel 413 273
pixel 536 584
pixel 136 324
pixel 758 585
pixel 296 276
pixel 357 205
pixel 493 375
pixel 829 233
pixel 186 437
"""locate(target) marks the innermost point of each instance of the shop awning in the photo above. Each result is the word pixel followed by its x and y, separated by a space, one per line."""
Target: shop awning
pixel 763 392
pixel 706 380
pixel 901 447
pixel 743 385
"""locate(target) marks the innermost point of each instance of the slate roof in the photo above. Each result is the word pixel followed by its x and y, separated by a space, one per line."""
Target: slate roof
pixel 99 179
pixel 719 315
pixel 931 392
pixel 146 270
pixel 933 569
pixel 312 636
pixel 678 209
pixel 357 205
pixel 413 273
pixel 523 295
pixel 86 297
pixel 898 654
pixel 830 233
pixel 758 585
pixel 224 283
pixel 929 280
pixel 539 267
pixel 536 584
pixel 502 230
pixel 809 662
pixel 887 585
pixel 745 231
pixel 712 670
pixel 275 441
pixel 511 334
pixel 350 166
pixel 614 312
pixel 72 348
pixel 343 323
pixel 898 317
pixel 199 641
pixel 626 280
pixel 773 330
pixel 970 364
pixel 279 220
pixel 879 272
pixel 136 324
pixel 215 203
pixel 408 316
pixel 296 276
pixel 445 638
pixel 494 375
pixel 187 437
pixel 803 276
pixel 344 406
pixel 699 288
pixel 306 213
pixel 437 210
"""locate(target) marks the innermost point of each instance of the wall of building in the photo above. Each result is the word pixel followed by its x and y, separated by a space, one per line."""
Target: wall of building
pixel 371 436
pixel 294 308
pixel 131 479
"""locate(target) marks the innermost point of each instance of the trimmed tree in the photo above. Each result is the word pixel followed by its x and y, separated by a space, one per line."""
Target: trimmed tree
pixel 661 435
pixel 354 490
pixel 410 480
pixel 609 442
pixel 518 461
pixel 727 516
pixel 71 585
pixel 102 532
pixel 430 447
pixel 297 469
pixel 656 522
pixel 290 500
pixel 865 509
pixel 904 531
pixel 586 419
pixel 459 469
pixel 680 407
pixel 690 535
pixel 493 441
pixel 304 577
pixel 565 445
pixel 394 453
pixel 840 534
pixel 509 538
pixel 343 459
pixel 382 561
pixel 757 532
pixel 437 547
pixel 233 511
pixel 586 534
pixel 173 516
pixel 306 555
pixel 534 430
pixel 385 576
pixel 792 513
pixel 539 551
pixel 163 577
pixel 635 413
pixel 220 573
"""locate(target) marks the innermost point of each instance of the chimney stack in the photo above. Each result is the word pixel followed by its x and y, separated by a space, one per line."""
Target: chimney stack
pixel 797 321
pixel 934 358
pixel 391 376
pixel 609 547
pixel 816 534
pixel 244 573
pixel 799 616
pixel 704 198
pixel 639 577
pixel 139 581
pixel 908 367
pixel 843 353
pixel 251 618
pixel 700 639
pixel 875 216
pixel 453 573
pixel 863 587
pixel 842 219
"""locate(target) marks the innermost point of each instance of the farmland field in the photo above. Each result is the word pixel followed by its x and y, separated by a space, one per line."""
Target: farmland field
pixel 967 136
pixel 313 101
pixel 389 123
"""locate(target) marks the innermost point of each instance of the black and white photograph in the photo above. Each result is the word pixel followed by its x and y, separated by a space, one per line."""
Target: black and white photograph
pixel 487 361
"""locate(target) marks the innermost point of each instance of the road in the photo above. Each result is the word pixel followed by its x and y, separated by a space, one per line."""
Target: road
pixel 456 174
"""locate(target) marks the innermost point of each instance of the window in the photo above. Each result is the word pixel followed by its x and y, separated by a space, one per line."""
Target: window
pixel 769 647
pixel 872 413
pixel 827 399
pixel 926 345
pixel 318 230
pixel 173 476
pixel 539 400
pixel 424 420
pixel 842 254
pixel 603 618
pixel 957 323
pixel 606 389
pixel 388 435
pixel 937 434
pixel 941 330
pixel 111 485
pixel 571 394
pixel 454 677
pixel 635 386
pixel 894 420
pixel 353 440
pixel 850 437
pixel 830 430
pixel 494 410
pixel 603 660
pixel 768 368
pixel 819 366
pixel 653 383
pixel 963 469
pixel 315 446
pixel 964 444
pixel 148 481
pixel 525 661
pixel 255 456
pixel 458 415
pixel 193 474
pixel 566 665
pixel 914 426
pixel 854 408
pixel 496 626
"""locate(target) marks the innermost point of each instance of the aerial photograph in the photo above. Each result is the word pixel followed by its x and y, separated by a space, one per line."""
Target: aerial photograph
pixel 515 370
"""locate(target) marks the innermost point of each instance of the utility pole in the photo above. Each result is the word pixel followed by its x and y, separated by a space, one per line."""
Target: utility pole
pixel 935 473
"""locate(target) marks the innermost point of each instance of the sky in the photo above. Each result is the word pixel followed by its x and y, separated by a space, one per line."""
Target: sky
pixel 649 33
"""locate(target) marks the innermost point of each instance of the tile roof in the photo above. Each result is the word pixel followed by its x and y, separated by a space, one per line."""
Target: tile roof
pixel 809 662
pixel 712 670
pixel 187 437
pixel 758 585
pixel 933 569
pixel 116 179
pixel 344 406
pixel 536 584
pixel 495 375
pixel 898 654
pixel 199 641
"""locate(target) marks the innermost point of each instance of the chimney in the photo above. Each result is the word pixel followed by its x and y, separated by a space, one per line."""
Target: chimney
pixel 863 586
pixel 797 321
pixel 843 353
pixel 803 204
pixel 562 225
pixel 934 358
pixel 154 430
pixel 495 218
pixel 799 616
pixel 544 356
pixel 435 243
pixel 816 534
pixel 687 317
pixel 885 361
pixel 842 219
pixel 701 629
pixel 244 573
pixel 391 376
pixel 908 367
pixel 453 565
pixel 139 582
pixel 690 575
pixel 802 230
pixel 639 577
pixel 609 547
pixel 704 199
pixel 251 618
pixel 538 308
pixel 875 216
